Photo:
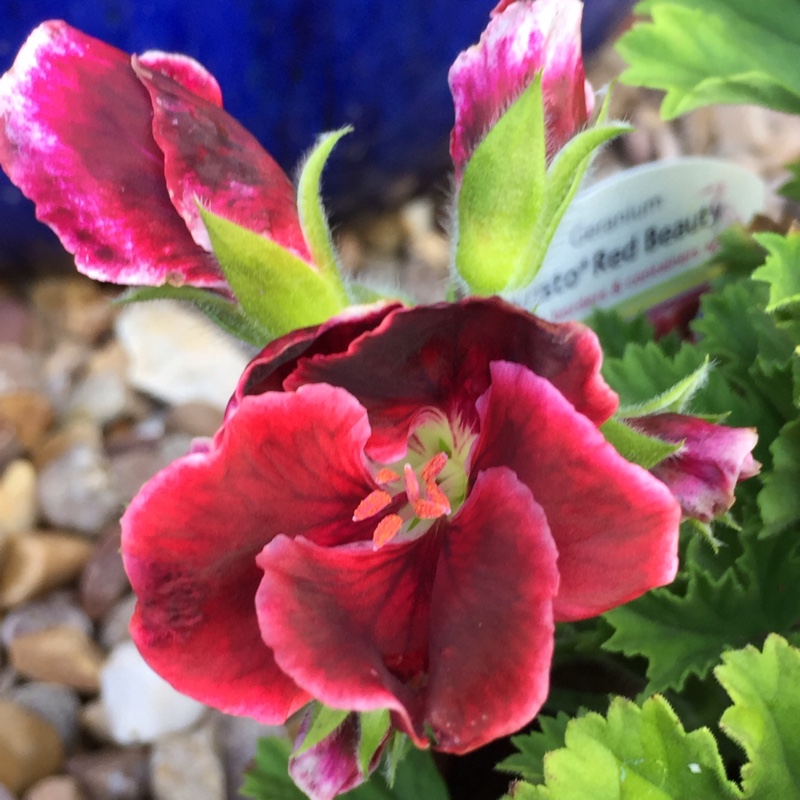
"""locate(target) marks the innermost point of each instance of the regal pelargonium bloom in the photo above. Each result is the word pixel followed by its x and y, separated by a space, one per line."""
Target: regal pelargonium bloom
pixel 114 150
pixel 399 505
pixel 523 38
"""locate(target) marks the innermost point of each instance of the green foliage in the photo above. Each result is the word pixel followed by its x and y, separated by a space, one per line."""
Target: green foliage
pixel 675 400
pixel 276 289
pixel 715 51
pixel 779 500
pixel 324 721
pixel 268 778
pixel 636 447
pixel 532 747
pixel 781 269
pixel 374 726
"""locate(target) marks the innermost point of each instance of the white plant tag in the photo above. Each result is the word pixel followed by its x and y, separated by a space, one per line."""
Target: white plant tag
pixel 642 236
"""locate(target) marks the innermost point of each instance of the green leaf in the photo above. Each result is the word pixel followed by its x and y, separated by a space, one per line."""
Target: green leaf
pixel 673 400
pixel 764 716
pixel 225 314
pixel 634 754
pixel 779 499
pixel 636 447
pixel 312 213
pixel 275 288
pixel 374 725
pixel 268 778
pixel 781 270
pixel 615 332
pixel 715 51
pixel 501 193
pixel 324 722
pixel 529 761
pixel 791 189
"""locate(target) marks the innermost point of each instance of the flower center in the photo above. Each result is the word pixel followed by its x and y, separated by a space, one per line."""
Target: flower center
pixel 431 483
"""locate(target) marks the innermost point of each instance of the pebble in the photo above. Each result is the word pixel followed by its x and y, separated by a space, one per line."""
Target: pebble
pixel 115 627
pixel 29 413
pixel 37 562
pixel 74 305
pixel 14 321
pixel 58 705
pixel 94 722
pixel 18 508
pixel 141 705
pixel 30 748
pixel 56 787
pixel 177 355
pixel 10 445
pixel 103 580
pixel 76 490
pixel 56 609
pixel 19 369
pixel 194 419
pixel 100 396
pixel 112 774
pixel 187 766
pixel 59 655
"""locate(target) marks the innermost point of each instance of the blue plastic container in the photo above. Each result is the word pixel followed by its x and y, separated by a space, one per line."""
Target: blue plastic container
pixel 290 69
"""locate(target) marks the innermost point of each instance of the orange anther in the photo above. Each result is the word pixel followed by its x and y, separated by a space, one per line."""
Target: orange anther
pixel 427 509
pixel 373 503
pixel 434 467
pixel 412 484
pixel 386 475
pixel 436 495
pixel 386 530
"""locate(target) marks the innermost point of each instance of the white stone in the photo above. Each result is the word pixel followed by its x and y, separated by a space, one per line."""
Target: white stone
pixel 18 507
pixel 187 766
pixel 141 705
pixel 177 355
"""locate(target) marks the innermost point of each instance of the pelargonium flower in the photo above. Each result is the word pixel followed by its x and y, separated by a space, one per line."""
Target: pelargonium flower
pixel 712 460
pixel 114 150
pixel 398 507
pixel 523 38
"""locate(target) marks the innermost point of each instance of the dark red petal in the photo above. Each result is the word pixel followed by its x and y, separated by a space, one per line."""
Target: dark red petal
pixel 76 137
pixel 615 526
pixel 209 157
pixel 491 616
pixel 335 617
pixel 190 74
pixel 439 356
pixel 285 463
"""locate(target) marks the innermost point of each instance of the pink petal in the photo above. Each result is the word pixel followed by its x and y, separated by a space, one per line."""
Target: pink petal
pixel 713 459
pixel 439 356
pixel 492 616
pixel 190 74
pixel 522 39
pixel 76 137
pixel 192 534
pixel 210 157
pixel 615 526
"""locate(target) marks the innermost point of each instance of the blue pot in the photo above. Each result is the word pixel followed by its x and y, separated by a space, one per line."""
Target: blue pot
pixel 290 69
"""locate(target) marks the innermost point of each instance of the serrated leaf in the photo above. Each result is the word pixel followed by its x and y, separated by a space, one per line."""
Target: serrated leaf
pixel 529 761
pixel 311 210
pixel 781 270
pixel 715 51
pixel 501 193
pixel 636 447
pixel 791 189
pixel 763 718
pixel 268 778
pixel 373 725
pixel 324 722
pixel 225 314
pixel 634 754
pixel 779 499
pixel 616 332
pixel 673 400
pixel 275 288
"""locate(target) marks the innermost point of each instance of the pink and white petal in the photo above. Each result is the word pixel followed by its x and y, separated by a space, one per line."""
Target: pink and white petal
pixel 522 39
pixel 286 463
pixel 615 526
pixel 76 138
pixel 491 616
pixel 438 356
pixel 350 624
pixel 182 69
pixel 210 158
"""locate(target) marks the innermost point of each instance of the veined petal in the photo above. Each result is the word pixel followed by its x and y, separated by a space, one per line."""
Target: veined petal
pixel 209 157
pixel 704 472
pixel 76 137
pixel 192 534
pixel 615 526
pixel 522 39
pixel 491 616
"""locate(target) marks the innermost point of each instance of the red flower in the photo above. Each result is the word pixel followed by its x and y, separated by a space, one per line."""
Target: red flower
pixel 114 149
pixel 398 507
pixel 522 39
pixel 704 472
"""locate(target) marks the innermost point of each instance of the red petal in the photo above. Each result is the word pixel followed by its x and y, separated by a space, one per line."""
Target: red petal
pixel 76 137
pixel 615 526
pixel 210 157
pixel 335 617
pixel 192 534
pixel 439 356
pixel 491 616
pixel 190 74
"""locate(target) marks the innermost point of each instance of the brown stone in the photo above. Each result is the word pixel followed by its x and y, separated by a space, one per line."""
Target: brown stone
pixel 18 497
pixel 56 787
pixel 30 748
pixel 103 580
pixel 112 774
pixel 75 305
pixel 29 413
pixel 62 655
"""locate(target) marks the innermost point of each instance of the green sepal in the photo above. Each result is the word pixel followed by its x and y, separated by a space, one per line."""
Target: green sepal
pixel 275 288
pixel 226 315
pixel 373 727
pixel 501 194
pixel 324 722
pixel 636 447
pixel 313 219
pixel 399 746
pixel 673 400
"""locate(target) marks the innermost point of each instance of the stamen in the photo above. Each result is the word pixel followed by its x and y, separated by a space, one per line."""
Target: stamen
pixel 373 503
pixel 436 495
pixel 412 484
pixel 386 475
pixel 386 530
pixel 428 509
pixel 434 467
